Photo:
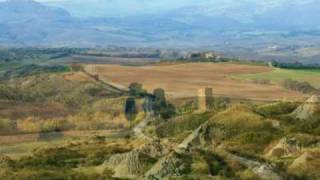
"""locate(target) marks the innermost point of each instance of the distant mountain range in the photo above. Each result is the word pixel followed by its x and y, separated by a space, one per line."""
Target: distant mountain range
pixel 240 26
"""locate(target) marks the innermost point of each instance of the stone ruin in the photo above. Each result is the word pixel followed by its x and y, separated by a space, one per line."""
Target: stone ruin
pixel 204 97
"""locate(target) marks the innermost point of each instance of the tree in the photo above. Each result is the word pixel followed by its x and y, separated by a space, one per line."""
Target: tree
pixel 131 109
pixel 160 105
pixel 135 89
pixel 159 94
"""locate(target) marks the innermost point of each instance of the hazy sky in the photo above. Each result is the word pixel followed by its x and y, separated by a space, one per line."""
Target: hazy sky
pixel 101 8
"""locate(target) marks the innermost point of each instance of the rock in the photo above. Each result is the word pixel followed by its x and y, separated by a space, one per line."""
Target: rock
pixel 170 165
pixel 154 149
pixel 115 160
pixel 308 109
pixel 266 172
pixel 134 165
pixel 261 169
pixel 196 138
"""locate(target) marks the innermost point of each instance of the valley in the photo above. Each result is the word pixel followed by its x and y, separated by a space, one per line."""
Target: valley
pixel 251 128
pixel 159 90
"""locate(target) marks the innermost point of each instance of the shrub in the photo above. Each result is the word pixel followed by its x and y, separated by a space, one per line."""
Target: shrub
pixel 32 125
pixel 28 125
pixel 7 126
pixel 6 92
pixel 55 125
pixel 261 81
pixel 135 89
pixel 311 127
pixel 304 87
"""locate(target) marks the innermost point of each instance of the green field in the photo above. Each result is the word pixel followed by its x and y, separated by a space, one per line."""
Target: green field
pixel 277 75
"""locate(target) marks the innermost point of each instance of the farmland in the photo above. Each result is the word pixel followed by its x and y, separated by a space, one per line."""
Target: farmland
pixel 278 75
pixel 85 128
pixel 183 80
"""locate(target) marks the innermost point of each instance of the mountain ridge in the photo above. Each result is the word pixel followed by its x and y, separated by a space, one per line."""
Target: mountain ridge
pixel 30 23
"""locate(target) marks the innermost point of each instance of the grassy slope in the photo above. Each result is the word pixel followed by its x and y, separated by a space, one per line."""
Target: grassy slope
pixel 278 75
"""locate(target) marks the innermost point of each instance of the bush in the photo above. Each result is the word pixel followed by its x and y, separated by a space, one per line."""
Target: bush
pixel 304 87
pixel 261 81
pixel 135 89
pixel 7 126
pixel 311 127
pixel 28 125
pixel 31 125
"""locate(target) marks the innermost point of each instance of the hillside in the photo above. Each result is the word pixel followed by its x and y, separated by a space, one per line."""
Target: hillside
pixel 235 143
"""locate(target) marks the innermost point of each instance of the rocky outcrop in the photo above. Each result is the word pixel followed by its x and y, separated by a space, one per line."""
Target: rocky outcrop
pixel 137 162
pixel 154 149
pixel 170 165
pixel 200 138
pixel 308 109
pixel 197 137
pixel 134 165
pixel 285 147
pixel 263 170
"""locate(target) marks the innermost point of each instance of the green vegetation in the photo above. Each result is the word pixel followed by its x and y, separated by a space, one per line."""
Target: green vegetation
pixel 136 89
pixel 32 69
pixel 303 87
pixel 22 62
pixel 160 105
pixel 278 75
pixel 242 130
pixel 79 128
pixel 131 109
pixel 276 109
pixel 62 162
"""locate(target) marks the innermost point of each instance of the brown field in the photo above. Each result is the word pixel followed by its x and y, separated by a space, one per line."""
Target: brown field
pixel 183 80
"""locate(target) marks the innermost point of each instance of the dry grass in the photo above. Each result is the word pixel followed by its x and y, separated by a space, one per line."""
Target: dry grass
pixel 77 76
pixel 16 110
pixel 183 80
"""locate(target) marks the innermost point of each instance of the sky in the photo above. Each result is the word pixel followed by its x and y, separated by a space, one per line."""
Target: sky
pixel 107 8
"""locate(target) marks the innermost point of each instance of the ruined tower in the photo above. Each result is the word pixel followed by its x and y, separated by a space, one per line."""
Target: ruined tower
pixel 204 97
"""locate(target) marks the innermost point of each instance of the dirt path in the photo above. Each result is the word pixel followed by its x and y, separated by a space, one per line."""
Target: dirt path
pixel 138 129
pixel 110 86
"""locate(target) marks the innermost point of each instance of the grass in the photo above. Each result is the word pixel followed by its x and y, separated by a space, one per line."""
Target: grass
pixel 20 145
pixel 278 75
